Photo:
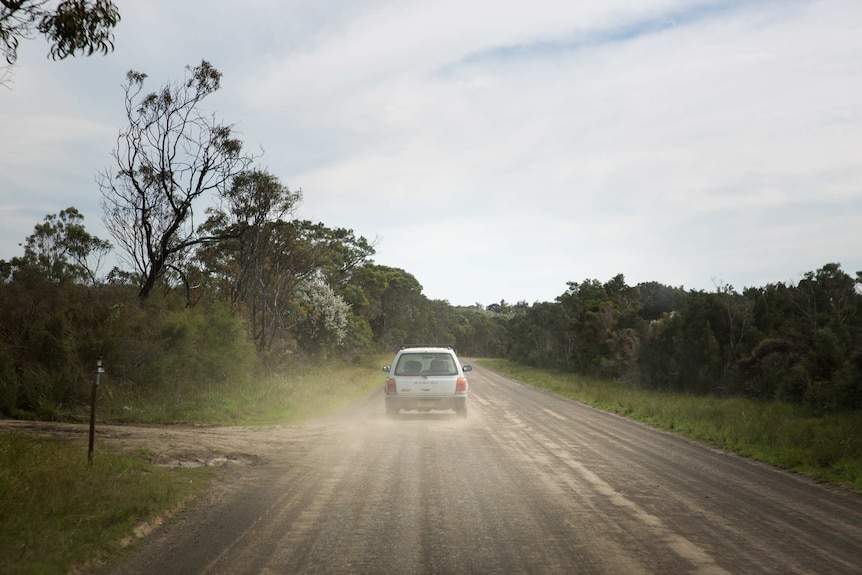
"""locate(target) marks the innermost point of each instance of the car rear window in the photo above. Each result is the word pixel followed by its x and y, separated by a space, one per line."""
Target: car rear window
pixel 426 364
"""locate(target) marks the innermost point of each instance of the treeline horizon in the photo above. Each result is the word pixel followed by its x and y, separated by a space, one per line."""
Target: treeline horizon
pixel 328 301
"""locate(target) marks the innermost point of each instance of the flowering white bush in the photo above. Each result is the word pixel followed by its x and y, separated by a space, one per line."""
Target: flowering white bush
pixel 323 315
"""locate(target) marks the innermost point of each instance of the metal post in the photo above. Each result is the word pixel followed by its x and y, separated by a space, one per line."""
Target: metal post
pixel 99 371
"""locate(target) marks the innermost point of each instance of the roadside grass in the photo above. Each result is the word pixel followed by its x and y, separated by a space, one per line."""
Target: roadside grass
pixel 308 391
pixel 825 447
pixel 60 515
pixel 58 512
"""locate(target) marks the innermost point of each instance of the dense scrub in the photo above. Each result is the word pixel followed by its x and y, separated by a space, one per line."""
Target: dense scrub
pixel 798 343
pixel 53 336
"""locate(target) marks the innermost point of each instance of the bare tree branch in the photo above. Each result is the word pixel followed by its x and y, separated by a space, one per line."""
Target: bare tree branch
pixel 169 159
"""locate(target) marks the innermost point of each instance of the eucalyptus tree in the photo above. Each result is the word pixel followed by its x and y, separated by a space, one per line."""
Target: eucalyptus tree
pixel 71 26
pixel 60 249
pixel 481 332
pixel 170 159
pixel 239 265
pixel 394 305
pixel 828 298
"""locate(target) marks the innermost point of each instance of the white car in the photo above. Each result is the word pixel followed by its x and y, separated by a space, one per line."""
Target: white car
pixel 426 378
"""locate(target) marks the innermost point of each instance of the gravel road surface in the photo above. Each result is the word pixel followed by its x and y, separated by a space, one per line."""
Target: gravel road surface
pixel 528 483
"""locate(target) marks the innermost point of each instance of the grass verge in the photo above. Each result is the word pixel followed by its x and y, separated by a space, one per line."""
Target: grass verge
pixel 825 447
pixel 58 512
pixel 307 391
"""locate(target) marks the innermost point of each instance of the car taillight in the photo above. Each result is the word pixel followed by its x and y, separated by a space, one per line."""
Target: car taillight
pixel 390 385
pixel 460 385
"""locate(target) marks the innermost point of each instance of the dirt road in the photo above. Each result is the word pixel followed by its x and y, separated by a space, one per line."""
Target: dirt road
pixel 529 483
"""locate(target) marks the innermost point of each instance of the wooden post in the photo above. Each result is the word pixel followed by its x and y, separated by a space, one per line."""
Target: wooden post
pixel 99 371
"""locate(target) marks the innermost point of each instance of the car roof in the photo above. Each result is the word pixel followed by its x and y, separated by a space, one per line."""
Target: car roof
pixel 427 348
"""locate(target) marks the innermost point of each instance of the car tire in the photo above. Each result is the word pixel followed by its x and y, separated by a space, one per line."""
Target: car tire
pixel 392 412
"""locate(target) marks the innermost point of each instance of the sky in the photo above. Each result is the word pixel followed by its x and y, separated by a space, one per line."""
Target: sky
pixel 495 150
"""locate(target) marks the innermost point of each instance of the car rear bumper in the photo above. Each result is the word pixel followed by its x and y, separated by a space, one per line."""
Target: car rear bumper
pixel 457 402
